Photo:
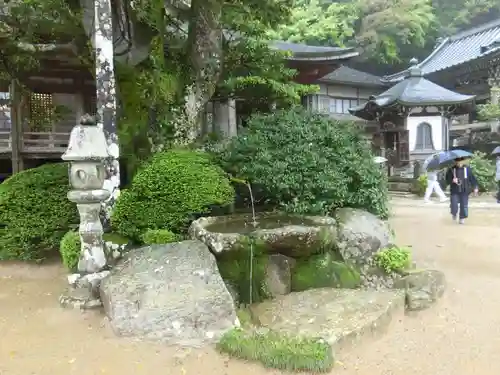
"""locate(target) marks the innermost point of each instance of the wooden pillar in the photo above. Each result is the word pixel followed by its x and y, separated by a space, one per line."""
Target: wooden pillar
pixel 16 128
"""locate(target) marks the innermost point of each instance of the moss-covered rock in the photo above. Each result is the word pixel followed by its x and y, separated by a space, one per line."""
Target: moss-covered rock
pixel 239 272
pixel 323 270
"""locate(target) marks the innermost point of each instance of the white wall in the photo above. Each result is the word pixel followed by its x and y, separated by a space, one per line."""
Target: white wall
pixel 436 123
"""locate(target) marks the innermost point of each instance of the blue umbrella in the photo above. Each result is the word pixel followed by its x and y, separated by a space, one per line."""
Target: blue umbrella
pixel 496 151
pixel 445 159
pixel 458 154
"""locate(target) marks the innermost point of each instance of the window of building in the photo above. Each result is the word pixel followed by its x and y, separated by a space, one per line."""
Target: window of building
pixel 4 111
pixel 41 111
pixel 424 137
pixel 328 104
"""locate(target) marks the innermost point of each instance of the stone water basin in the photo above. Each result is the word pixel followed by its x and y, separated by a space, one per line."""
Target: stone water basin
pixel 290 235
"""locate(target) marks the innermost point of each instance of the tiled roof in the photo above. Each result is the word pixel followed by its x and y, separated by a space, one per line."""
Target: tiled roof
pixel 458 49
pixel 413 91
pixel 314 53
pixel 346 75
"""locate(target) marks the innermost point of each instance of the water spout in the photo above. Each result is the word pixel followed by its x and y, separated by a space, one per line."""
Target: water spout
pixel 252 203
pixel 254 223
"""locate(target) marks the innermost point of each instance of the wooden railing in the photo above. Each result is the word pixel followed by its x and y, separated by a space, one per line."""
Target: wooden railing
pixel 36 142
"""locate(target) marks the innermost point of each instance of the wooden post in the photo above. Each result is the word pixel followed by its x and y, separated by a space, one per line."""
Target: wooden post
pixel 16 129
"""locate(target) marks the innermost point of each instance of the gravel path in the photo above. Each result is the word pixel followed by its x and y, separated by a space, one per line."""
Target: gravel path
pixel 459 336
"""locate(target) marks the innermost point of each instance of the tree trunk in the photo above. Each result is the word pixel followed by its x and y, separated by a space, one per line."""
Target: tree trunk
pixel 204 55
pixel 106 96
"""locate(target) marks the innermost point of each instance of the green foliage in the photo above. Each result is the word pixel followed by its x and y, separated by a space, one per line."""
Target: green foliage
pixel 321 271
pixel 307 163
pixel 489 111
pixel 420 185
pixel 70 249
pixel 315 21
pixel 35 212
pixel 235 268
pixel 159 236
pixel 170 191
pixel 380 27
pixel 484 170
pixel 279 351
pixel 394 259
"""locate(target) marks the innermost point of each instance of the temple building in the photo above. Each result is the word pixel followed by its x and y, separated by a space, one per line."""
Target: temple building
pixel 467 63
pixel 412 118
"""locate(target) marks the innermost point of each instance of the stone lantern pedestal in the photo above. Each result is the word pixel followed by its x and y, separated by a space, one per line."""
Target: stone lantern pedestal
pixel 86 153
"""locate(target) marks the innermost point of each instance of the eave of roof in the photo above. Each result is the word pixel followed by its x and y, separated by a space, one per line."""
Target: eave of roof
pixel 349 76
pixel 304 52
pixel 469 45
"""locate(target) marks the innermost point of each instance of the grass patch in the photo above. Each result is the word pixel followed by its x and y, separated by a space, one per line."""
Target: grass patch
pixel 279 351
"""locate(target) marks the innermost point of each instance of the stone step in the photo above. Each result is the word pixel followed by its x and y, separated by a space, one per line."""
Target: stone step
pixel 339 316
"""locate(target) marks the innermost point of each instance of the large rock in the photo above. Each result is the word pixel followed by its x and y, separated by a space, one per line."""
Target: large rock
pixel 293 236
pixel 422 288
pixel 323 270
pixel 336 315
pixel 278 274
pixel 171 293
pixel 360 235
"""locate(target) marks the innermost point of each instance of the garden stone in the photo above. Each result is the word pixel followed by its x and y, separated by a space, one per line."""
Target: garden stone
pixel 360 236
pixel 79 298
pixel 278 274
pixel 339 316
pixel 422 287
pixel 171 293
pixel 293 236
pixel 324 270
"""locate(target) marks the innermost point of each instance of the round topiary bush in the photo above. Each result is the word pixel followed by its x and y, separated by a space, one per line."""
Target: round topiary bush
pixel 169 192
pixel 70 250
pixel 35 212
pixel 307 163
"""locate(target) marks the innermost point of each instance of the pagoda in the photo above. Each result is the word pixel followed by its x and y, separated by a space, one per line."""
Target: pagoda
pixel 413 118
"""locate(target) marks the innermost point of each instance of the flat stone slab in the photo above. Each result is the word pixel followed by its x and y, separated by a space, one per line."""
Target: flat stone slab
pixel 339 316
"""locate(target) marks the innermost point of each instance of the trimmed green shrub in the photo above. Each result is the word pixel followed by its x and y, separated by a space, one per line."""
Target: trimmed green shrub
pixel 70 250
pixel 279 351
pixel 35 212
pixel 393 259
pixel 420 185
pixel 307 163
pixel 321 271
pixel 484 171
pixel 159 236
pixel 169 192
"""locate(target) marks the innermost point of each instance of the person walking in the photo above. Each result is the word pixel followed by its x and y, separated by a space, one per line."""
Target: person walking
pixel 497 178
pixel 462 182
pixel 432 180
pixel 433 186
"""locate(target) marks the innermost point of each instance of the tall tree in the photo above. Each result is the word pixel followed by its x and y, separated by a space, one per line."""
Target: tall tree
pixel 379 27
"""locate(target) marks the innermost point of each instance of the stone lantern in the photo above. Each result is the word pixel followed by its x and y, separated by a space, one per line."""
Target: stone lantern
pixel 86 153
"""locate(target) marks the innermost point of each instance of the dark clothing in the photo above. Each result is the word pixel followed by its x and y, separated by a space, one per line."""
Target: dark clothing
pixel 466 180
pixel 459 204
pixel 459 193
pixel 498 191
